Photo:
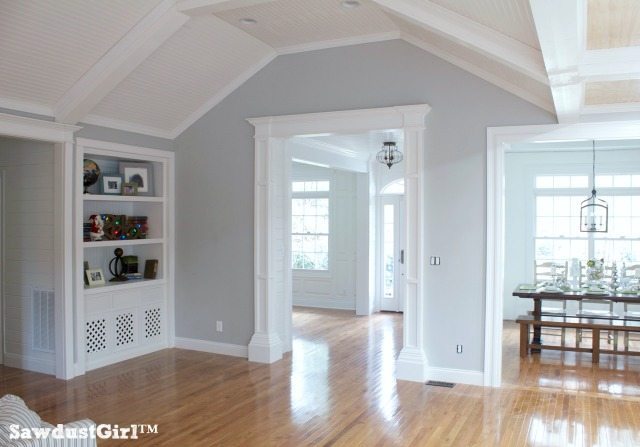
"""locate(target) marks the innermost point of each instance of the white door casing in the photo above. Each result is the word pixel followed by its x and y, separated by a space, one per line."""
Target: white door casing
pixel 499 141
pixel 272 335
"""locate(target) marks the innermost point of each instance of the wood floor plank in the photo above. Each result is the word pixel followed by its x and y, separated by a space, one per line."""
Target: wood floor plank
pixel 338 388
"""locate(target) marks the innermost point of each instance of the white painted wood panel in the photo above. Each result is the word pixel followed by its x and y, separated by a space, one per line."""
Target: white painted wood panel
pixel 46 46
pixel 28 253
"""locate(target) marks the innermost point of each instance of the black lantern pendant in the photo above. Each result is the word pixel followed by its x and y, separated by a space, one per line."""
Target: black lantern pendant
pixel 389 154
pixel 594 212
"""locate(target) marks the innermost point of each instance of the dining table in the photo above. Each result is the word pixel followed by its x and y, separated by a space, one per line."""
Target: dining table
pixel 538 294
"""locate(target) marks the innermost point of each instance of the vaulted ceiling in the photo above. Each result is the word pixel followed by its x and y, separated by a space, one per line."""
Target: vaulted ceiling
pixel 156 66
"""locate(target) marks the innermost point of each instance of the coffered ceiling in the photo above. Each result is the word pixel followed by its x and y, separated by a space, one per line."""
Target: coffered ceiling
pixel 156 66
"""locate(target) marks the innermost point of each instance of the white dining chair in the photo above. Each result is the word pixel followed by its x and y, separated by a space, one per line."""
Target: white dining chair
pixel 631 310
pixel 600 309
pixel 548 273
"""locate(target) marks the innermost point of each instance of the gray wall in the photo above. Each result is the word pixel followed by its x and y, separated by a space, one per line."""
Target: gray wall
pixel 214 203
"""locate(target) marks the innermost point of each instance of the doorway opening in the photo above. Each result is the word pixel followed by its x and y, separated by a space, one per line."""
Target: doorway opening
pixel 391 246
pixel 273 284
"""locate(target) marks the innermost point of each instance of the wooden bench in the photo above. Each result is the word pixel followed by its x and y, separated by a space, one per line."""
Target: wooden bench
pixel 571 322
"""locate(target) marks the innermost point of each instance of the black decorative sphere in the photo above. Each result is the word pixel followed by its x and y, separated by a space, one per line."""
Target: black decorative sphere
pixel 118 252
pixel 91 173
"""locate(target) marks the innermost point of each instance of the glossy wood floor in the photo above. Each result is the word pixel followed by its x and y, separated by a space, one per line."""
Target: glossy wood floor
pixel 337 388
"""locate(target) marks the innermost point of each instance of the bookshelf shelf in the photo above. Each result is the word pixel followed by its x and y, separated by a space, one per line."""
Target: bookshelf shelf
pixel 116 198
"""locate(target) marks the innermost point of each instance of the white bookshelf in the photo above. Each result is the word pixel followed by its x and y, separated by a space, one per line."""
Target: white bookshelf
pixel 121 320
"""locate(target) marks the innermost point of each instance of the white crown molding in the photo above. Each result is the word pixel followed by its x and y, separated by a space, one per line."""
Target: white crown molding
pixel 483 39
pixel 203 7
pixel 221 94
pixel 136 46
pixel 35 129
pixel 335 43
pixel 477 71
pixel 127 126
pixel 26 106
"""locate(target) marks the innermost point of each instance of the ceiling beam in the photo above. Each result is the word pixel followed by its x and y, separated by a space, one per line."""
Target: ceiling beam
pixel 561 30
pixel 202 7
pixel 469 33
pixel 138 44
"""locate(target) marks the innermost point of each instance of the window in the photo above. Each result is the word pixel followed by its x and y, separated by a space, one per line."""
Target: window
pixel 394 187
pixel 310 225
pixel 557 211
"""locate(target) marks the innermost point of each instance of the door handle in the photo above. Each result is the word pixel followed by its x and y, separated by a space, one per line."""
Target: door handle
pixel 401 256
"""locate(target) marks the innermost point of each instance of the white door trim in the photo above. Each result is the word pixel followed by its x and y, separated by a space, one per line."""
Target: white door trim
pixel 499 141
pixel 270 267
pixel 62 136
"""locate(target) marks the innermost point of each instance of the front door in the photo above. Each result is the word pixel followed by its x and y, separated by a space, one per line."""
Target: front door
pixel 392 253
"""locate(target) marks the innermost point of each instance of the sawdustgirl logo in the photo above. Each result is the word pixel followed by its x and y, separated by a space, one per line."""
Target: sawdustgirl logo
pixel 101 431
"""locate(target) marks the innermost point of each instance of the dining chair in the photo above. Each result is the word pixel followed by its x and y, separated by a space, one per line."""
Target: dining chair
pixel 631 310
pixel 599 308
pixel 549 272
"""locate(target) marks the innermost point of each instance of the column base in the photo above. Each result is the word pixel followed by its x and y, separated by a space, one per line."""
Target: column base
pixel 411 365
pixel 265 348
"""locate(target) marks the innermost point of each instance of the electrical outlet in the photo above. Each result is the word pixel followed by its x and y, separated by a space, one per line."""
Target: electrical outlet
pixel 434 260
pixel 219 326
pixel 459 349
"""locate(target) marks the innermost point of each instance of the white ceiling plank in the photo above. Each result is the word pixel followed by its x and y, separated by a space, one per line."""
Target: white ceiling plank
pixel 483 74
pixel 221 94
pixel 26 106
pixel 127 126
pixel 143 39
pixel 201 7
pixel 335 43
pixel 561 30
pixel 503 49
pixel 615 64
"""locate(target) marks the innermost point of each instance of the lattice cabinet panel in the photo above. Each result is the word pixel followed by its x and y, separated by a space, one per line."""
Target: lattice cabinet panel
pixel 96 334
pixel 153 322
pixel 125 328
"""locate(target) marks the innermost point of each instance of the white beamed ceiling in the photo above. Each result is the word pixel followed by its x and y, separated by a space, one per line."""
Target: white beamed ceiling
pixel 173 60
pixel 197 62
pixel 46 46
pixel 511 18
pixel 289 23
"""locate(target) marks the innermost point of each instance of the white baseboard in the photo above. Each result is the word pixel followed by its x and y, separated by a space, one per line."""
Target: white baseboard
pixel 465 376
pixel 212 347
pixel 321 303
pixel 29 363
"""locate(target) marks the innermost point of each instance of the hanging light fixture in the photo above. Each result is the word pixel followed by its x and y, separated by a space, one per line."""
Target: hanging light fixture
pixel 594 212
pixel 389 154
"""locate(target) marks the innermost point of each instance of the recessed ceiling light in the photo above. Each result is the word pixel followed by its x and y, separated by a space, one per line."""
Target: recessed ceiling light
pixel 350 3
pixel 248 21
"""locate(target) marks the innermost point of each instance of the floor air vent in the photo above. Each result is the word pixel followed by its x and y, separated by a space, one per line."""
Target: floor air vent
pixel 44 334
pixel 438 383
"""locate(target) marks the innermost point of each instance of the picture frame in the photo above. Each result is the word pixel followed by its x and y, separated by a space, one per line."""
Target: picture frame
pixel 111 184
pixel 95 277
pixel 139 173
pixel 129 189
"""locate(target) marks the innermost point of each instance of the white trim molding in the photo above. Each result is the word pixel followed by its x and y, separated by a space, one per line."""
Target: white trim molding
pixel 499 141
pixel 62 136
pixel 465 376
pixel 212 347
pixel 270 267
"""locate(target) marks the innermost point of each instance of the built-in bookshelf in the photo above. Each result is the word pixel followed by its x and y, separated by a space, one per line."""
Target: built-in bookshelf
pixel 118 320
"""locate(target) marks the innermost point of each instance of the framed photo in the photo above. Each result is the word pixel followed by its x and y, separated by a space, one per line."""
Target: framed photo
pixel 95 277
pixel 139 173
pixel 111 184
pixel 129 189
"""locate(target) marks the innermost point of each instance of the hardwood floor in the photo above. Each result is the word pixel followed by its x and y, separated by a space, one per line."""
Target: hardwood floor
pixel 337 388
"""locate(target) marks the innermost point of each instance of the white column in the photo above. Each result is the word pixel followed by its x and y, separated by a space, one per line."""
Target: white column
pixel 266 345
pixel 412 362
